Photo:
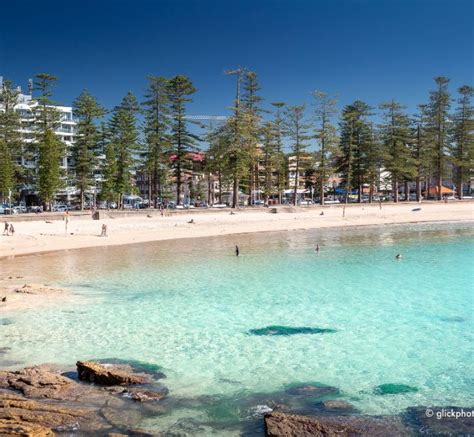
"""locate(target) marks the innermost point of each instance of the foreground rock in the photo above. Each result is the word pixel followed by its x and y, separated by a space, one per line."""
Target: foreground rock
pixel 41 402
pixel 108 374
pixel 38 382
pixel 37 289
pixel 21 416
pixel 19 428
pixel 289 425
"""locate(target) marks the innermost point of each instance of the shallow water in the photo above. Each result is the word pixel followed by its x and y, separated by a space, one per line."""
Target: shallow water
pixel 189 307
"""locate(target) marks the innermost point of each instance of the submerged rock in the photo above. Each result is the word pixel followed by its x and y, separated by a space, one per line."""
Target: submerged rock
pixel 138 366
pixel 140 394
pixel 313 390
pixel 338 405
pixel 454 319
pixel 290 330
pixel 6 322
pixel 289 425
pixel 394 389
pixel 107 374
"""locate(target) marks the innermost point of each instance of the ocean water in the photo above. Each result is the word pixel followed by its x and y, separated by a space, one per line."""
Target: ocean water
pixel 189 307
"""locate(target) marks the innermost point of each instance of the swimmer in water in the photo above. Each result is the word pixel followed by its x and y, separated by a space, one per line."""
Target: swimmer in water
pixel 398 256
pixel 317 248
pixel 237 251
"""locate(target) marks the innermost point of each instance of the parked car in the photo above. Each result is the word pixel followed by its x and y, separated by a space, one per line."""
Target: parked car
pixel 219 205
pixel 10 211
pixel 60 208
pixel 306 202
pixel 34 208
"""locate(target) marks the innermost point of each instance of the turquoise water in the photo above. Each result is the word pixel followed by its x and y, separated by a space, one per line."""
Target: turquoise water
pixel 188 306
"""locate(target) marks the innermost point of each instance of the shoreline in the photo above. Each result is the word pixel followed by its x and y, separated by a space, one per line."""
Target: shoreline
pixel 41 237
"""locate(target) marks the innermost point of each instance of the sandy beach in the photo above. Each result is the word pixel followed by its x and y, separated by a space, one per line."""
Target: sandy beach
pixel 47 235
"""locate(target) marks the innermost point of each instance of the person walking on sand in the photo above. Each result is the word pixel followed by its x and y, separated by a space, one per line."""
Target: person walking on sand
pixel 12 230
pixel 6 228
pixel 237 251
pixel 66 221
pixel 104 231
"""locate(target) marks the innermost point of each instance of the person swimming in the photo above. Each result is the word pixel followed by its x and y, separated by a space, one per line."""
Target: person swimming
pixel 398 256
pixel 237 251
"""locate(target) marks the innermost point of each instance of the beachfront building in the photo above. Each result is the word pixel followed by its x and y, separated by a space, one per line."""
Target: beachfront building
pixel 304 178
pixel 66 130
pixel 194 180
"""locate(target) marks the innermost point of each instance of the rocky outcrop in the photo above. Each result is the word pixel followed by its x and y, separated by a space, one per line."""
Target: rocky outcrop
pixel 289 425
pixel 21 416
pixel 11 427
pixel 38 382
pixel 37 289
pixel 108 374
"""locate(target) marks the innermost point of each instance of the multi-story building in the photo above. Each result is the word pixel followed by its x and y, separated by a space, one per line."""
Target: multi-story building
pixel 303 179
pixel 66 130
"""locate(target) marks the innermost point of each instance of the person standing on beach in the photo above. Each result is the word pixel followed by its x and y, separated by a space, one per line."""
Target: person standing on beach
pixel 317 248
pixel 5 229
pixel 104 230
pixel 237 251
pixel 12 230
pixel 66 221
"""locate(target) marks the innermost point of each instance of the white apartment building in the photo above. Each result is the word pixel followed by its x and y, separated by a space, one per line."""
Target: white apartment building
pixel 66 130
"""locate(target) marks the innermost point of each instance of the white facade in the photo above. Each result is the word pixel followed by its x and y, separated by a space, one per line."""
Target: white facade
pixel 66 130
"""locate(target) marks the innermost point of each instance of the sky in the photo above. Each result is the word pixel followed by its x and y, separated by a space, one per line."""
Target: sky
pixel 372 50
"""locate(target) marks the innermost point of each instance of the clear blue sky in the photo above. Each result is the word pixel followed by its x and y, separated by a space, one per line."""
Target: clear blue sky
pixel 371 50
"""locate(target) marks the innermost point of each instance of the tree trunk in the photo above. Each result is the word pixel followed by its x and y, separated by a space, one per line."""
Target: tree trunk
pixel 359 195
pixel 178 185
pixel 150 190
pixel 235 193
pixel 220 187
pixel 82 199
pixel 395 190
pixel 321 191
pixel 407 191
pixel 295 202
pixel 440 185
pixel 460 184
pixel 279 188
pixel 418 189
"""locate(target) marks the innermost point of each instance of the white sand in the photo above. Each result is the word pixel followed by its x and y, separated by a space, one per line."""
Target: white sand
pixel 39 236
